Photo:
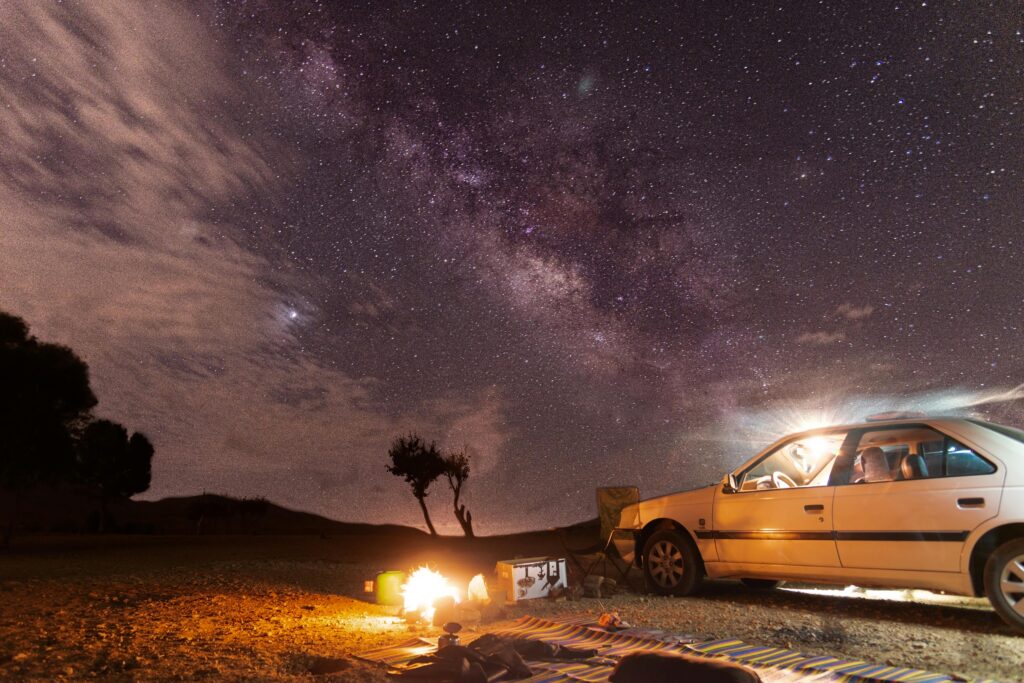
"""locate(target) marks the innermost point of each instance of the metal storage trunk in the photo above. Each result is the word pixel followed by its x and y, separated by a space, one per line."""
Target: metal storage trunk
pixel 527 578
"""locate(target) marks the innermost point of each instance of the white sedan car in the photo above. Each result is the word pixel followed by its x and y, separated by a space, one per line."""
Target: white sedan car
pixel 932 503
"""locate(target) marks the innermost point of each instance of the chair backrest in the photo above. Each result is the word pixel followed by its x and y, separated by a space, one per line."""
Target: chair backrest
pixel 610 502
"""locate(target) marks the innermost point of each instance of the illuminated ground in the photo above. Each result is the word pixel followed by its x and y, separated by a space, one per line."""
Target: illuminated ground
pixel 278 608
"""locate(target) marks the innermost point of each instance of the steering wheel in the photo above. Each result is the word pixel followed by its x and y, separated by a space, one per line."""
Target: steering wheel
pixel 781 480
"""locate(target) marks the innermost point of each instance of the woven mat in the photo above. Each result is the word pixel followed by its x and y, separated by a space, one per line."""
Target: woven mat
pixel 772 664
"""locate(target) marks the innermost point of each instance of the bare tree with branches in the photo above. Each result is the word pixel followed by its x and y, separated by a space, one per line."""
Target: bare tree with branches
pixel 456 470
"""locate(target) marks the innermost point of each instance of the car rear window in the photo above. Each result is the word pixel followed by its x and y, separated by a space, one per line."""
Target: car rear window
pixel 1015 434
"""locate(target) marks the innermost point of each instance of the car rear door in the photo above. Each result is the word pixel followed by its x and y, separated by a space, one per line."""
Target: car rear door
pixel 917 522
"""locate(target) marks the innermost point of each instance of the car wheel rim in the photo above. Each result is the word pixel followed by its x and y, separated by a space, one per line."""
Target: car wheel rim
pixel 1011 584
pixel 666 564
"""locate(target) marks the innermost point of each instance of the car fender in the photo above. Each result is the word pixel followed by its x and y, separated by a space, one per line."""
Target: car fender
pixel 1010 512
pixel 689 509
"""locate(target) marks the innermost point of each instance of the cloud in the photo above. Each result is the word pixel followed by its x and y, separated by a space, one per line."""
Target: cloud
pixel 820 338
pixel 481 431
pixel 120 168
pixel 854 312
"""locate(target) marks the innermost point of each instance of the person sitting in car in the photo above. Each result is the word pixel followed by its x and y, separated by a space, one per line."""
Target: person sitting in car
pixel 876 465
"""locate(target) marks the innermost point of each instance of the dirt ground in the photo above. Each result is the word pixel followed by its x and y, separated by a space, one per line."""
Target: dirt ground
pixel 284 608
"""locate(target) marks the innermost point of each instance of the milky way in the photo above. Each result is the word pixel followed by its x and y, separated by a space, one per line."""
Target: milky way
pixel 592 243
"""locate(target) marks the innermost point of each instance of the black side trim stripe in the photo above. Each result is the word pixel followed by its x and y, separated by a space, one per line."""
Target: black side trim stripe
pixel 936 536
pixel 927 536
pixel 768 535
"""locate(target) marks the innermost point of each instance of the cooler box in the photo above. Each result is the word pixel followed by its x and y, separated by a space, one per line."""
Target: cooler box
pixel 531 577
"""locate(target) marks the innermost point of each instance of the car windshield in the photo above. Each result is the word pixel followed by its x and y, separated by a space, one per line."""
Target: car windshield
pixel 1015 434
pixel 805 461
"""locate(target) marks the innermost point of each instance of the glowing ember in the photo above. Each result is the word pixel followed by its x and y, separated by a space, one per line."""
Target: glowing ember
pixel 423 588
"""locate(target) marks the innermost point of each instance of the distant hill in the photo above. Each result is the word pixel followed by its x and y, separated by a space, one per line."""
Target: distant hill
pixel 71 510
pixel 211 513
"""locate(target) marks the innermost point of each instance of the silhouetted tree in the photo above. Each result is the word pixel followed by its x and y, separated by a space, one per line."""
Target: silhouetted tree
pixel 456 470
pixel 45 400
pixel 115 465
pixel 420 465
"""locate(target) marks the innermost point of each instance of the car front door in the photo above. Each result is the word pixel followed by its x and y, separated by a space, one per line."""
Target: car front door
pixel 917 516
pixel 781 510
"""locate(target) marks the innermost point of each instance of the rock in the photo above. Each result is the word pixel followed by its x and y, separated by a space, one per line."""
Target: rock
pixel 444 611
pixel 468 616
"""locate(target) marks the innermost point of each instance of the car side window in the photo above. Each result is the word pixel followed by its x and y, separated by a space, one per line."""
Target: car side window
pixel 913 452
pixel 802 462
pixel 951 458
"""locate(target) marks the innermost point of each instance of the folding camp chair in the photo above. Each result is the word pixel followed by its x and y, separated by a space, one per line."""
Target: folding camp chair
pixel 611 500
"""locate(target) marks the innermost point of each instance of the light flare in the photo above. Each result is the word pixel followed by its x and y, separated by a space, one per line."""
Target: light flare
pixel 777 419
pixel 425 587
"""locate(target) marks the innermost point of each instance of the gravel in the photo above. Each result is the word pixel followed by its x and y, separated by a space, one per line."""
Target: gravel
pixel 288 608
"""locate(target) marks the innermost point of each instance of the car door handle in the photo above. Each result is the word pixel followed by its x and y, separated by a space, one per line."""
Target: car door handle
pixel 970 503
pixel 814 508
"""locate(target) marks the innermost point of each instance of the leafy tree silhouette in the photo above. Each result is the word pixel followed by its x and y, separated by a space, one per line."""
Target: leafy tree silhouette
pixel 420 465
pixel 45 401
pixel 456 470
pixel 117 466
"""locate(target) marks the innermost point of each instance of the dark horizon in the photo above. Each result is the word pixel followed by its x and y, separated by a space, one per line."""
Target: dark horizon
pixel 591 244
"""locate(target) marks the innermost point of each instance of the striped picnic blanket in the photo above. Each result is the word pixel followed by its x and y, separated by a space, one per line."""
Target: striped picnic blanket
pixel 774 665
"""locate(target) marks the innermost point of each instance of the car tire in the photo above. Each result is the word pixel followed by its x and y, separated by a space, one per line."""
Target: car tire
pixel 761 584
pixel 1004 582
pixel 672 565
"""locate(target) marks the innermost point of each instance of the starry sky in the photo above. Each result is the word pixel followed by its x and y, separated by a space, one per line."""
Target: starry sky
pixel 590 242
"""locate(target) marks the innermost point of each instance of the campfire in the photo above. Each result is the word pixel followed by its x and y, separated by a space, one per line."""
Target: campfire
pixel 424 588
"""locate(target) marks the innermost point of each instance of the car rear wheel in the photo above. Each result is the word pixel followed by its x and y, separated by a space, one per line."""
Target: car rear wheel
pixel 1004 582
pixel 761 584
pixel 672 564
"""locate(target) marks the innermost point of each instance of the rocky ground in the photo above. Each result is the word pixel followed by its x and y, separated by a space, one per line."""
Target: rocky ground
pixel 285 608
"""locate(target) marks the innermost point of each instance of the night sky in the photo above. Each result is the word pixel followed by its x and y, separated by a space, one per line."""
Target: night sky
pixel 594 243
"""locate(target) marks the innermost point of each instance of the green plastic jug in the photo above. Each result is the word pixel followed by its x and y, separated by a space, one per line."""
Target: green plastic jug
pixel 389 588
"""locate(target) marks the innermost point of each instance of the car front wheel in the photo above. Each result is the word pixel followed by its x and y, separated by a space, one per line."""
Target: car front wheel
pixel 672 564
pixel 1004 582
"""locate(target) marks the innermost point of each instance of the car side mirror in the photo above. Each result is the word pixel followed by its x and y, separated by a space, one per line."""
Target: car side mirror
pixel 732 484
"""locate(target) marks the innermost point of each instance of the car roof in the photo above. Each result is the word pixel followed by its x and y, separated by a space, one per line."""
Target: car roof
pixel 871 424
pixel 994 445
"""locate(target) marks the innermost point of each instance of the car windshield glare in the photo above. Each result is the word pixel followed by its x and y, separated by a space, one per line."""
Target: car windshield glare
pixel 804 461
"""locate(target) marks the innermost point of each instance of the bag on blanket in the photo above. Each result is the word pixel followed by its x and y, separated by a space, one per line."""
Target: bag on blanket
pixel 488 658
pixel 652 667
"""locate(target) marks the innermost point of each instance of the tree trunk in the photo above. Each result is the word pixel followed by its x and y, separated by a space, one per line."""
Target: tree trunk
pixel 426 516
pixel 465 518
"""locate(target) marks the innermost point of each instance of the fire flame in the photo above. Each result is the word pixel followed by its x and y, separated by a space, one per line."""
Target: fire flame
pixel 478 590
pixel 423 588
